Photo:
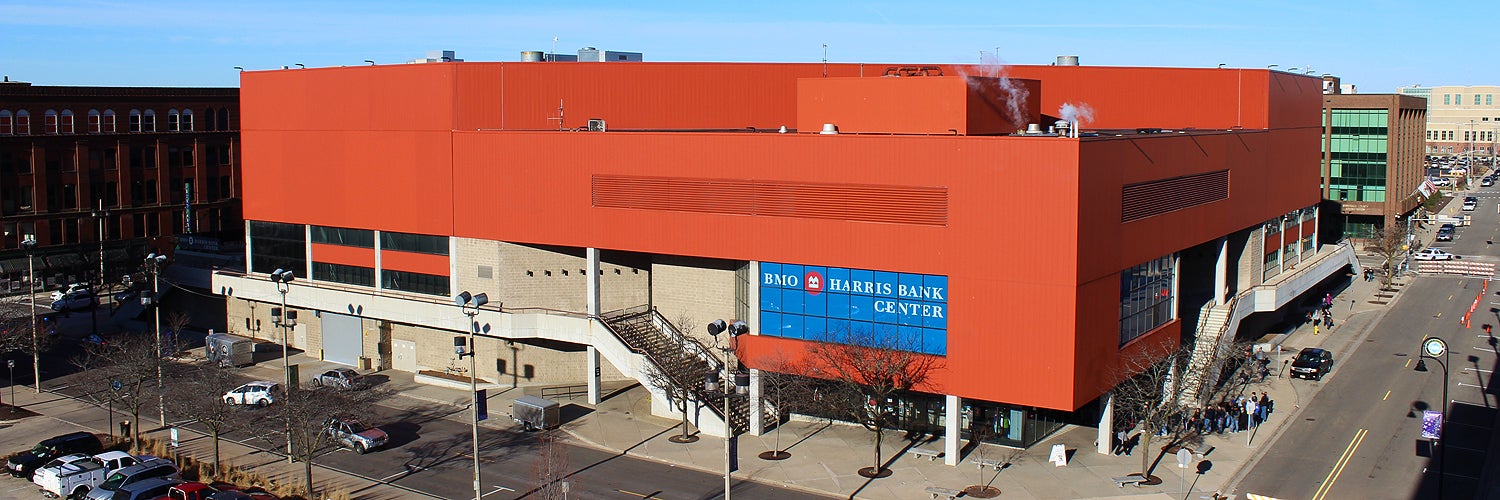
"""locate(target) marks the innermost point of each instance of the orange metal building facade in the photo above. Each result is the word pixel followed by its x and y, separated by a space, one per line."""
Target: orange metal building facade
pixel 1029 230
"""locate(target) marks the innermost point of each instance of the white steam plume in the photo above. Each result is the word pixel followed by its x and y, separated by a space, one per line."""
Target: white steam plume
pixel 1076 114
pixel 991 66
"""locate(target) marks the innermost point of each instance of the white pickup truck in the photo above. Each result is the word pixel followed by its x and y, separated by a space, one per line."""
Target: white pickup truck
pixel 74 475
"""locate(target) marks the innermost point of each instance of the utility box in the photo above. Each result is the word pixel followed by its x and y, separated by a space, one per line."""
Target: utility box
pixel 229 350
pixel 535 413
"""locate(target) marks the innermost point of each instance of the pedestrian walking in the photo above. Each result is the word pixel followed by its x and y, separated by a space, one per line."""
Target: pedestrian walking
pixel 1315 328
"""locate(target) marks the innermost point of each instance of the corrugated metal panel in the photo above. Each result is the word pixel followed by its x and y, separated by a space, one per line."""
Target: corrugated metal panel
pixel 1147 199
pixel 848 202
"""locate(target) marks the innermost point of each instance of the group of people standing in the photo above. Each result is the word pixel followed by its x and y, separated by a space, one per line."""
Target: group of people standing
pixel 1241 413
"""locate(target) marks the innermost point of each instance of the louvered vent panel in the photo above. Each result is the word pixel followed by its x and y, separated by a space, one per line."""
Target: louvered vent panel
pixel 926 206
pixel 1149 199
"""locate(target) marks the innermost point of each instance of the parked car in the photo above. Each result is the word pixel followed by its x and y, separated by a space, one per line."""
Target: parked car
pixel 75 478
pixel 149 468
pixel 71 289
pixel 74 301
pixel 355 435
pixel 1486 182
pixel 146 489
pixel 189 491
pixel 25 463
pixel 1470 206
pixel 342 378
pixel 260 392
pixel 1432 254
pixel 1312 363
pixel 1445 235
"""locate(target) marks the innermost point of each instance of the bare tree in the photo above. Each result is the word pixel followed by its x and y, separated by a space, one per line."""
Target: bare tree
pixel 1151 393
pixel 785 392
pixel 1391 244
pixel 551 468
pixel 663 374
pixel 866 371
pixel 122 372
pixel 176 323
pixel 16 334
pixel 203 400
pixel 304 413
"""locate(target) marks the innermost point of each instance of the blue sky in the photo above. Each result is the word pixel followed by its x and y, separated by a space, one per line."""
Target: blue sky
pixel 172 43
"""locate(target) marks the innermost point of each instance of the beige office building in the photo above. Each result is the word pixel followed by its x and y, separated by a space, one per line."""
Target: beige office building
pixel 1461 119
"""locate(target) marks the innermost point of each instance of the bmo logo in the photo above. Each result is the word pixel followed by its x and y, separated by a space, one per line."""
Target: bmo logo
pixel 814 282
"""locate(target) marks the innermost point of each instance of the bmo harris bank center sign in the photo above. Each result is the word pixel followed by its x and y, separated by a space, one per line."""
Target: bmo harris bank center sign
pixel 826 303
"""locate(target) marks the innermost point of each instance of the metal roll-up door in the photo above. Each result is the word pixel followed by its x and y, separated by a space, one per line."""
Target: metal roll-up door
pixel 343 338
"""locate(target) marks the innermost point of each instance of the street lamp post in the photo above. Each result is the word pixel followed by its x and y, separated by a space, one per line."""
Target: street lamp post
pixel 285 319
pixel 1432 347
pixel 470 304
pixel 36 364
pixel 153 266
pixel 99 214
pixel 730 386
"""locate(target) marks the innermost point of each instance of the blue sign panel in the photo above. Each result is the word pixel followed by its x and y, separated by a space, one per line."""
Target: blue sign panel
pixel 826 304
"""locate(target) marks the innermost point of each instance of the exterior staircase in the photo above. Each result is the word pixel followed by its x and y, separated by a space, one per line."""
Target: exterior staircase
pixel 1214 338
pixel 680 359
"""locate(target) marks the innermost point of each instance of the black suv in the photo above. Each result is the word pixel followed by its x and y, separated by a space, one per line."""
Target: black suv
pixel 1312 363
pixel 26 462
pixel 1445 233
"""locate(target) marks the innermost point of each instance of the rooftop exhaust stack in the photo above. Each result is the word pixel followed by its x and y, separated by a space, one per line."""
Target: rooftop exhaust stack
pixel 829 129
pixel 1065 129
pixel 1066 61
pixel 1033 128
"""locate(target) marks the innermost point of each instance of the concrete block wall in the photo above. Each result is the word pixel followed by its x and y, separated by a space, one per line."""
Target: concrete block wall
pixel 553 363
pixel 549 277
pixel 691 292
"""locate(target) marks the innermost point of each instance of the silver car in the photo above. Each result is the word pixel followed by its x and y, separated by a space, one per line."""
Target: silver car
pixel 354 435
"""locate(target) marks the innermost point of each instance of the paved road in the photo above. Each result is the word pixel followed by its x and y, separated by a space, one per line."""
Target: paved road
pixel 1360 436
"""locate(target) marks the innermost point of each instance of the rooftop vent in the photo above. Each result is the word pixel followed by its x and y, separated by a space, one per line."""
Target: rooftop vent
pixel 596 125
pixel 1066 61
pixel 829 129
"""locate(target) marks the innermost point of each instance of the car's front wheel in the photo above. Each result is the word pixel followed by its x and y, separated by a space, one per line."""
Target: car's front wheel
pixel 359 448
pixel 263 402
pixel 230 401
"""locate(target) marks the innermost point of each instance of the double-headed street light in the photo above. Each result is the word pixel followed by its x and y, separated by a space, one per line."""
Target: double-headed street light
pixel 29 243
pixel 1432 347
pixel 470 304
pixel 285 319
pixel 732 375
pixel 153 266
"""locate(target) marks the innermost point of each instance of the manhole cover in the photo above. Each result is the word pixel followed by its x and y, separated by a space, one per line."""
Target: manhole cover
pixel 1311 419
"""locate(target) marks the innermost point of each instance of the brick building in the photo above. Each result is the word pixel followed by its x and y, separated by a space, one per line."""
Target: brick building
pixel 146 164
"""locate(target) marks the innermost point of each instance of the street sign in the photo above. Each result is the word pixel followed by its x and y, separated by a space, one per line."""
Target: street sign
pixel 483 404
pixel 10 363
pixel 1183 458
pixel 115 384
pixel 174 437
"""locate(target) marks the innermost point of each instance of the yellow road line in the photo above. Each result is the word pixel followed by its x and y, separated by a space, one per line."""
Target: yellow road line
pixel 1387 396
pixel 1338 467
pixel 1408 363
pixel 632 493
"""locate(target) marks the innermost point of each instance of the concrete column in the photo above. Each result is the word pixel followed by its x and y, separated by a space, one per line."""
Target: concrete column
pixel 377 261
pixel 248 254
pixel 757 406
pixel 593 376
pixel 1106 433
pixel 950 433
pixel 592 256
pixel 1317 219
pixel 1221 272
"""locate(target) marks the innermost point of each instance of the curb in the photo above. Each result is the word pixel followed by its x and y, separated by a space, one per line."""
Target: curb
pixel 1232 486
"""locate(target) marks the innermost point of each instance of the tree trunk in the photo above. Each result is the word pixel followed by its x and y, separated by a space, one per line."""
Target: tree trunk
pixel 1145 451
pixel 879 436
pixel 307 469
pixel 684 406
pixel 216 452
pixel 135 429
